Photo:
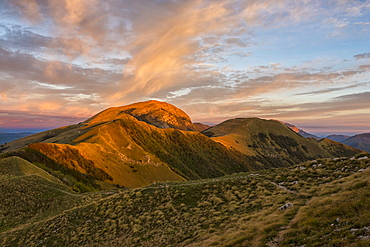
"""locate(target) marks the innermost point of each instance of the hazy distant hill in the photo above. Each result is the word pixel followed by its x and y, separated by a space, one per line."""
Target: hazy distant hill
pixel 143 143
pixel 360 141
pixel 8 137
pixel 337 138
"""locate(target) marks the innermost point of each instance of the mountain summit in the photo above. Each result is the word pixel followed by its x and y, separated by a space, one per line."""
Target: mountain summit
pixel 160 114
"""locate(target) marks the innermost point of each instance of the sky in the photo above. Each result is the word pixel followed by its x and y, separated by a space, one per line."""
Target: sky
pixel 304 62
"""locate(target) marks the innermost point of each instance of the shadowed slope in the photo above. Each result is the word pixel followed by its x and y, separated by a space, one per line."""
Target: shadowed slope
pixel 337 149
pixel 119 149
pixel 272 142
pixel 28 194
pixel 16 166
pixel 360 141
pixel 337 138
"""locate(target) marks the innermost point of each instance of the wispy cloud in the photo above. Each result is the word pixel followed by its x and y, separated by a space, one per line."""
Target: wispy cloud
pixel 362 56
pixel 330 90
pixel 212 58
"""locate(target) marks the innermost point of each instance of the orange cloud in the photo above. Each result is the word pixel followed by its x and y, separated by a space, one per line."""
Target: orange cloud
pixel 4 96
pixel 30 9
pixel 160 53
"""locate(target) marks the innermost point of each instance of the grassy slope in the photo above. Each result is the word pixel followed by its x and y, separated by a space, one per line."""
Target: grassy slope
pixel 16 166
pixel 69 177
pixel 133 153
pixel 59 135
pixel 159 114
pixel 330 198
pixel 269 141
pixel 28 194
pixel 114 148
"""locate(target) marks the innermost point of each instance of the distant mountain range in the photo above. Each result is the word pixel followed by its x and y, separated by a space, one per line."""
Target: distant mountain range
pixel 146 142
pixel 360 141
pixel 8 137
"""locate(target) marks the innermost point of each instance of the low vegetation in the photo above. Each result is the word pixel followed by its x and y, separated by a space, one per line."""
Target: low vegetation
pixel 116 181
pixel 272 144
pixel 69 177
pixel 326 204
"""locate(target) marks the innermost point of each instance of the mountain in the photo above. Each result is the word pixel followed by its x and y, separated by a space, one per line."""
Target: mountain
pixel 143 143
pixel 8 137
pixel 360 141
pixel 29 194
pixel 271 142
pixel 300 131
pixel 153 180
pixel 324 202
pixel 200 127
pixel 337 138
pixel 116 148
pixel 159 114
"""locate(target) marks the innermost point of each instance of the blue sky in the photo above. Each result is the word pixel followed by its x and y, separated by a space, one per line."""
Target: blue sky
pixel 302 62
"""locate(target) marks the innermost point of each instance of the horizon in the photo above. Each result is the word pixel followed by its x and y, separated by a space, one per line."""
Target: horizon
pixel 304 63
pixel 308 129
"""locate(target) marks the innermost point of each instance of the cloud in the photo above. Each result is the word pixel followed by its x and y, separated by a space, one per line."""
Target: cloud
pixel 166 39
pixel 77 57
pixel 338 105
pixel 362 56
pixel 330 90
pixel 34 120
pixel 28 83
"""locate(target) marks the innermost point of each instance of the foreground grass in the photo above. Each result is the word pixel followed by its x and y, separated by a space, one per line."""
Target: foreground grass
pixel 330 200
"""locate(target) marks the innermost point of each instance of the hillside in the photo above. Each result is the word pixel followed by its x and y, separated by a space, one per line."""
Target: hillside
pixel 200 127
pixel 15 166
pixel 119 149
pixel 337 138
pixel 270 141
pixel 159 114
pixel 29 194
pixel 324 202
pixel 133 146
pixel 361 141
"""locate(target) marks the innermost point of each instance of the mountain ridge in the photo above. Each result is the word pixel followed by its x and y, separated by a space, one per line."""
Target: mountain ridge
pixel 159 114
pixel 299 131
pixel 147 142
pixel 359 141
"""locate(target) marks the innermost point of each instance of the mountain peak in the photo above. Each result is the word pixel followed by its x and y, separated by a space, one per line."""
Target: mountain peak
pixel 298 130
pixel 157 113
